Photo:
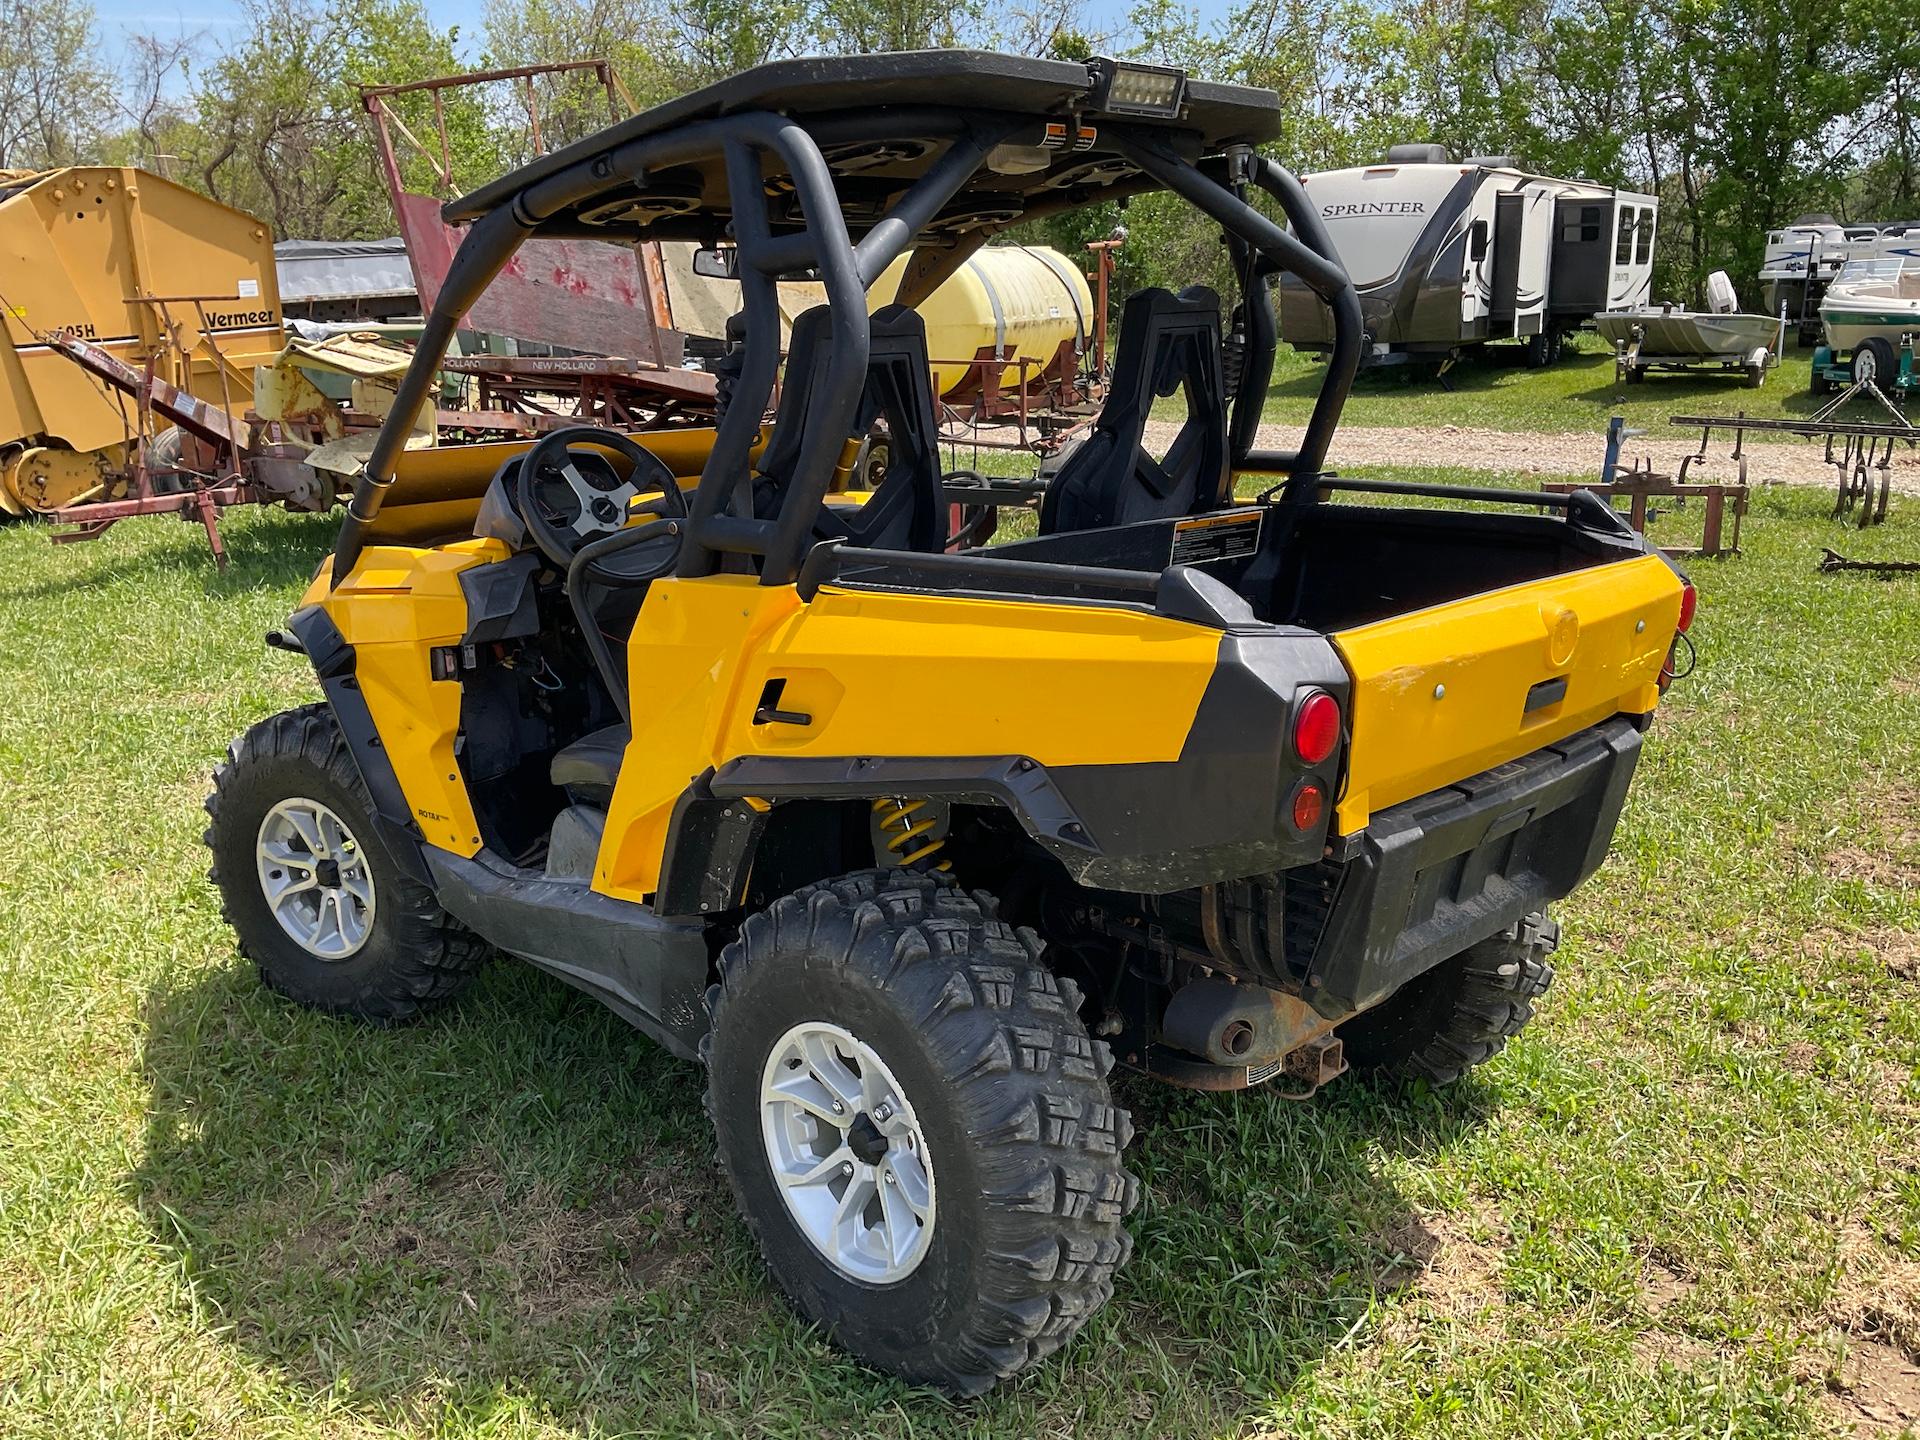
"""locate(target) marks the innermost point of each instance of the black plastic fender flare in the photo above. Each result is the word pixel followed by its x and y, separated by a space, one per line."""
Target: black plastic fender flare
pixel 333 661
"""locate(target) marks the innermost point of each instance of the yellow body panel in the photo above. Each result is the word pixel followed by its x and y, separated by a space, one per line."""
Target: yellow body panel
pixel 1439 694
pixel 885 675
pixel 395 607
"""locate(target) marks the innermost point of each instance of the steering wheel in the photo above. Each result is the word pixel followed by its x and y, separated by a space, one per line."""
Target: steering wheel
pixel 572 495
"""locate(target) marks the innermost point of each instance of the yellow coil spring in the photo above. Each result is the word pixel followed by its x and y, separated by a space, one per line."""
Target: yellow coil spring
pixel 904 833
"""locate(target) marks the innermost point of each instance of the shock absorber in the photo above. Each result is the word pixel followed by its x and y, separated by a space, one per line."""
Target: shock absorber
pixel 910 830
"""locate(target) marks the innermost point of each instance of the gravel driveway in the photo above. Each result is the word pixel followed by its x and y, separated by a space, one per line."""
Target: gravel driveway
pixel 1794 462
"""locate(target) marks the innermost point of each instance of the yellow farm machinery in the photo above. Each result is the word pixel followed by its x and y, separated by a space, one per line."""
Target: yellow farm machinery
pixel 135 313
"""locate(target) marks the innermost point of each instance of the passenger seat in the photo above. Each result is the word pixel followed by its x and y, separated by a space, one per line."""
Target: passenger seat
pixel 1167 342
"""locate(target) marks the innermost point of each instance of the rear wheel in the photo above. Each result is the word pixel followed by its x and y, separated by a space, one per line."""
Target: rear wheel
pixel 1462 1012
pixel 1756 376
pixel 917 1127
pixel 312 895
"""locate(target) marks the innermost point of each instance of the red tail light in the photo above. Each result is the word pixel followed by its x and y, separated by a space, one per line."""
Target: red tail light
pixel 1316 727
pixel 1309 804
pixel 1689 602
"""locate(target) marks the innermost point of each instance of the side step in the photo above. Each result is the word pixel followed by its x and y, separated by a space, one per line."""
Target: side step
pixel 650 972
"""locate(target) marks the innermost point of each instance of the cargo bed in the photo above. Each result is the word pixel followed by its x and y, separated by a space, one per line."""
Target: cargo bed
pixel 1473 637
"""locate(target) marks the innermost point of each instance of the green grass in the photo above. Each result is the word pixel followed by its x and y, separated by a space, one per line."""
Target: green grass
pixel 1494 391
pixel 1684 1203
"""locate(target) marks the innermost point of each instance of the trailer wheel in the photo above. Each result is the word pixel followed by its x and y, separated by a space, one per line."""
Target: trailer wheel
pixel 1873 361
pixel 1459 1014
pixel 1756 376
pixel 313 897
pixel 917 1126
pixel 1543 349
pixel 1636 374
pixel 871 461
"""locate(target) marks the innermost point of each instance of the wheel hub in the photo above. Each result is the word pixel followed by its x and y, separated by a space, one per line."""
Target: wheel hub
pixel 315 878
pixel 847 1153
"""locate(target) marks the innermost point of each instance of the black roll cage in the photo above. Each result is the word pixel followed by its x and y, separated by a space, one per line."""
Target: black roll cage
pixel 721 518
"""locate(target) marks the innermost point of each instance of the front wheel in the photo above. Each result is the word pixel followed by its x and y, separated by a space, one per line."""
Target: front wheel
pixel 917 1127
pixel 1462 1012
pixel 313 897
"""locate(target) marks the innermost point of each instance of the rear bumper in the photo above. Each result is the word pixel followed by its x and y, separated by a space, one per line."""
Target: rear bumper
pixel 1446 870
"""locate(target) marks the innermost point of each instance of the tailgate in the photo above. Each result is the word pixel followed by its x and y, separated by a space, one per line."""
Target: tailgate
pixel 1448 692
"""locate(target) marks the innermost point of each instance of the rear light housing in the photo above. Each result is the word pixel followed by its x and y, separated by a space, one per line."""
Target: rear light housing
pixel 1689 602
pixel 1316 726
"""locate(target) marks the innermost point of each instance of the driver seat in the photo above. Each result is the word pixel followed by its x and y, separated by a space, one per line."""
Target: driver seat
pixel 1167 342
pixel 904 512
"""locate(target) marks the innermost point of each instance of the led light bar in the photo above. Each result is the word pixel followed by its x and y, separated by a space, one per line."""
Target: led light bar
pixel 1123 87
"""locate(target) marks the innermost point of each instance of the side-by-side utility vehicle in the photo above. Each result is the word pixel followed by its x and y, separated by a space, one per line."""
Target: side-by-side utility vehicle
pixel 906 841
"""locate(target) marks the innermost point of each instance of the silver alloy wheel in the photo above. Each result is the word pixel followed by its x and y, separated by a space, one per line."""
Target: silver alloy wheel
pixel 847 1153
pixel 315 878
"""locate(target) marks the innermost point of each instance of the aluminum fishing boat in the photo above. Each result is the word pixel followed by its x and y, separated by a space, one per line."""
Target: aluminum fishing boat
pixel 1666 337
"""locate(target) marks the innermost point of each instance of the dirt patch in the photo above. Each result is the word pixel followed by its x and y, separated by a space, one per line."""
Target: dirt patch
pixel 1802 1057
pixel 1894 803
pixel 1876 1390
pixel 654 1227
pixel 1550 454
pixel 1452 1262
pixel 1665 1284
pixel 1875 867
pixel 1898 950
pixel 1876 1306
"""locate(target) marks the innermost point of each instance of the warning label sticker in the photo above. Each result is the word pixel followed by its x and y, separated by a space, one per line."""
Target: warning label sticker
pixel 1223 536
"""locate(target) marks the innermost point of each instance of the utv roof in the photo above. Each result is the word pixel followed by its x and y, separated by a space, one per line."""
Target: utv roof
pixel 881 121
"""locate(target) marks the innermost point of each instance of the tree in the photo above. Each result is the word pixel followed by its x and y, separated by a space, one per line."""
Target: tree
pixel 280 130
pixel 55 91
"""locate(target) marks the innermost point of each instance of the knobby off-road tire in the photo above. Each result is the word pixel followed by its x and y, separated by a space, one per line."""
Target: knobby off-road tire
pixel 1459 1014
pixel 1009 1096
pixel 414 956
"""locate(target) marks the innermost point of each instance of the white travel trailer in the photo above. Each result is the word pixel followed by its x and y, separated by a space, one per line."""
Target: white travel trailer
pixel 1448 254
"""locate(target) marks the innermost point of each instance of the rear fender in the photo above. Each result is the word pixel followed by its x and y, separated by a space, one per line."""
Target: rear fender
pixel 1219 810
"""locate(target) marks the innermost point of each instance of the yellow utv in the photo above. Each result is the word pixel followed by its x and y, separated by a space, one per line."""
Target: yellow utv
pixel 907 842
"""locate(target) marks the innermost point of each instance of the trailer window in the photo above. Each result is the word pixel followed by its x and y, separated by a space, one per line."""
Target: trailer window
pixel 1643 249
pixel 1477 251
pixel 1582 226
pixel 1623 246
